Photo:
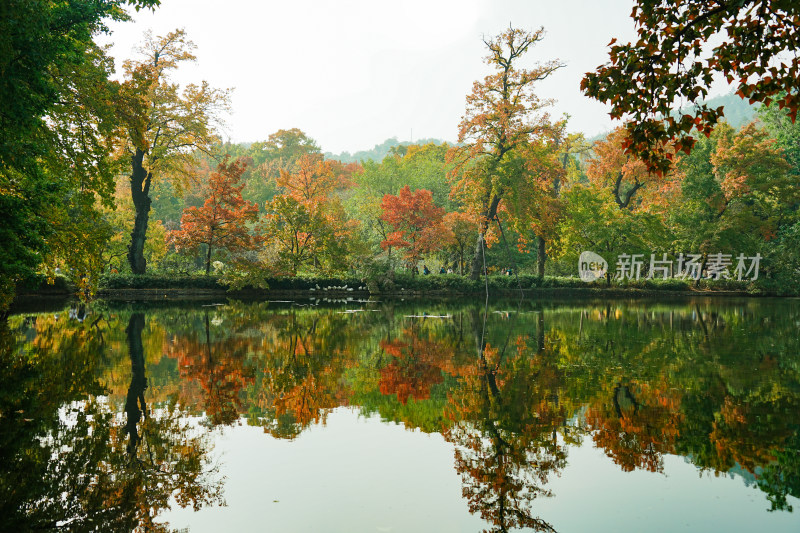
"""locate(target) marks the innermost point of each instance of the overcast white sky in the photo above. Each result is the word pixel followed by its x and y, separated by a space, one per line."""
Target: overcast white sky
pixel 352 73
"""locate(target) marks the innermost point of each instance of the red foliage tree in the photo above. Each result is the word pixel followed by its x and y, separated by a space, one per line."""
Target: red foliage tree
pixel 221 223
pixel 416 221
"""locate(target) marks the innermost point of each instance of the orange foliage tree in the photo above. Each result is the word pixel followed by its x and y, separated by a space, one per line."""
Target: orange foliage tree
pixel 416 221
pixel 462 229
pixel 503 115
pixel 626 177
pixel 307 223
pixel 315 178
pixel 221 223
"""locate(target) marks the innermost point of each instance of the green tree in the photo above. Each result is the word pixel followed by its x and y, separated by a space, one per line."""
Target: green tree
pixel 737 194
pixel 54 98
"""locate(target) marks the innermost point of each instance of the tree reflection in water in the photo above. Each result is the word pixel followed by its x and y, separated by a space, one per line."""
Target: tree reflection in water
pixel 218 364
pixel 717 383
pixel 506 420
pixel 71 462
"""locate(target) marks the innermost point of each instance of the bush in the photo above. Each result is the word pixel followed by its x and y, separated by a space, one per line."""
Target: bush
pixel 158 281
pixel 402 281
pixel 40 283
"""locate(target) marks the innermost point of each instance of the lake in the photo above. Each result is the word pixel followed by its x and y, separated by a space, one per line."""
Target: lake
pixel 565 415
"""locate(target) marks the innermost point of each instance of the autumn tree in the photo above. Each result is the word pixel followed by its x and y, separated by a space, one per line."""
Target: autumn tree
pixel 164 124
pixel 671 64
pixel 280 152
pixel 418 166
pixel 221 223
pixel 503 114
pixel 461 228
pixel 737 193
pixel 610 167
pixel 314 179
pixel 306 224
pixel 416 221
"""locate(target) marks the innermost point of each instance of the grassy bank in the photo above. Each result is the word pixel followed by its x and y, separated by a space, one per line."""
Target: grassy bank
pixel 160 285
pixel 431 284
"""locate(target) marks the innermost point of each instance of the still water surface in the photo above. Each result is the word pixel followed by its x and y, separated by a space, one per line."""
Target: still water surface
pixel 568 416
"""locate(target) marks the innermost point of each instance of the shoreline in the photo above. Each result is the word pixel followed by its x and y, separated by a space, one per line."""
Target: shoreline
pixel 143 294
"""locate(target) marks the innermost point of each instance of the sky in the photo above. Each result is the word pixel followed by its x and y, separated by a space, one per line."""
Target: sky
pixel 353 73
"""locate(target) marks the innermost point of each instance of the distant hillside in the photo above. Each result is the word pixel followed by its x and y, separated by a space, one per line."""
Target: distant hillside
pixel 738 112
pixel 378 152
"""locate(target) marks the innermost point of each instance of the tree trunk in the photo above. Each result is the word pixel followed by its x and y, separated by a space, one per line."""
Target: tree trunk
pixel 135 406
pixel 140 194
pixel 541 257
pixel 488 216
pixel 208 260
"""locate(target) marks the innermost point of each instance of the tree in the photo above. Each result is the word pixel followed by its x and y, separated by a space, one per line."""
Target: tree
pixel 280 152
pixel 626 177
pixel 502 115
pixel 54 91
pixel 462 228
pixel 315 178
pixel 164 124
pixel 737 194
pixel 416 221
pixel 537 207
pixel 418 166
pixel 671 62
pixel 120 218
pixel 222 221
pixel 306 224
pixel 593 221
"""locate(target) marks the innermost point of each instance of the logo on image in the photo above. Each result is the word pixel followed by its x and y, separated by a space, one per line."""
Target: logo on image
pixel 591 266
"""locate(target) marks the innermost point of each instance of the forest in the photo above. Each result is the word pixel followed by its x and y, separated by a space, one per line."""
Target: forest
pixel 104 178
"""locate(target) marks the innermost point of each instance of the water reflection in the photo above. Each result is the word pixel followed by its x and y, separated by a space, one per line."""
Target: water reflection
pixel 512 391
pixel 72 459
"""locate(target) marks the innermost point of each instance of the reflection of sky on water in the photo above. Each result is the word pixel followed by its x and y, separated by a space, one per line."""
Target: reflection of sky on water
pixel 661 395
pixel 359 474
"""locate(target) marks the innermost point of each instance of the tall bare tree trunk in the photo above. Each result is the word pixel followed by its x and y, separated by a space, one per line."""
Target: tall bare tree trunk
pixel 140 194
